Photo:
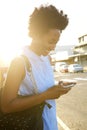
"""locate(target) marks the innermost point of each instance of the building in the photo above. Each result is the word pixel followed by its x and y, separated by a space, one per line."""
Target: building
pixel 80 52
pixel 62 53
pixel 75 54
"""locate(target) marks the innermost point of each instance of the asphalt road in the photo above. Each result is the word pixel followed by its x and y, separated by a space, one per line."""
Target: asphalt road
pixel 72 107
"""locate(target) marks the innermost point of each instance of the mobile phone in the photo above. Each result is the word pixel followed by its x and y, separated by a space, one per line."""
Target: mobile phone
pixel 66 83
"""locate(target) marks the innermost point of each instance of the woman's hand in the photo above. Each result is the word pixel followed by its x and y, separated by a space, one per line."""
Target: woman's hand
pixel 56 91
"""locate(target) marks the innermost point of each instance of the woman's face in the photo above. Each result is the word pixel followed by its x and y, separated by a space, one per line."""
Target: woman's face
pixel 49 41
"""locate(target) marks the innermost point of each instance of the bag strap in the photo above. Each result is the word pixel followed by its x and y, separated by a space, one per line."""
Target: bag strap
pixel 29 68
pixel 28 65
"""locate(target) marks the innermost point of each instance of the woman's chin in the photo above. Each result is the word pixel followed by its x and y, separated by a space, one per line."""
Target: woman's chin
pixel 45 53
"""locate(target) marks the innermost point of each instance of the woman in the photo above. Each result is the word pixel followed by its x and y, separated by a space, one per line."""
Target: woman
pixel 45 26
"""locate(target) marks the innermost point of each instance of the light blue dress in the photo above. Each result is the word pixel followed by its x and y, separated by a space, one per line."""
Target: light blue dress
pixel 44 78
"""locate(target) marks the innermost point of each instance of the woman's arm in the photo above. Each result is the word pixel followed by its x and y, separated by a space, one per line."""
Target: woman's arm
pixel 11 102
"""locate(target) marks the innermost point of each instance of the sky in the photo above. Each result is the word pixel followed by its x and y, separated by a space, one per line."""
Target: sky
pixel 14 15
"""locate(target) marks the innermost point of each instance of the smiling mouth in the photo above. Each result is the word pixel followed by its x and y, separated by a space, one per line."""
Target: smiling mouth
pixel 46 52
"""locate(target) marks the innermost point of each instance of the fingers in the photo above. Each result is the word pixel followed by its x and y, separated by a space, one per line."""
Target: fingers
pixel 64 90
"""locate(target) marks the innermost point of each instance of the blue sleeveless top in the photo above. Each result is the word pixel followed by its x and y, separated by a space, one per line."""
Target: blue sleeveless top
pixel 44 79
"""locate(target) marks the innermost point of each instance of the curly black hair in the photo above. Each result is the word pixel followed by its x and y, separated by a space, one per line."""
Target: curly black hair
pixel 44 18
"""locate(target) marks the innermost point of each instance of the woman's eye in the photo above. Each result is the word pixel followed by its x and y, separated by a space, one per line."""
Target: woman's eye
pixel 52 42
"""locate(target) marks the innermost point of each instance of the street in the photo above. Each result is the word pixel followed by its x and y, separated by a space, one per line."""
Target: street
pixel 72 107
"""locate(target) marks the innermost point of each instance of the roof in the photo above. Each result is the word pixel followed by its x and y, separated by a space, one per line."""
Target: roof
pixel 80 45
pixel 84 54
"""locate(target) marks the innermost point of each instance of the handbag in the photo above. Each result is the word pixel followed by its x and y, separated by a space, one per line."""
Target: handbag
pixel 30 119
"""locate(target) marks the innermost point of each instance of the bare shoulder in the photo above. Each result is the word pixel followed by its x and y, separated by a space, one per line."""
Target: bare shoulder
pixel 17 68
pixel 17 62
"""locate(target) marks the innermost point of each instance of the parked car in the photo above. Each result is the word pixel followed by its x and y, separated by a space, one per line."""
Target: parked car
pixel 63 68
pixel 58 65
pixel 75 68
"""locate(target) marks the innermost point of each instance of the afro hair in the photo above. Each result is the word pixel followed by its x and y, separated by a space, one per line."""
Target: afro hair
pixel 44 18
